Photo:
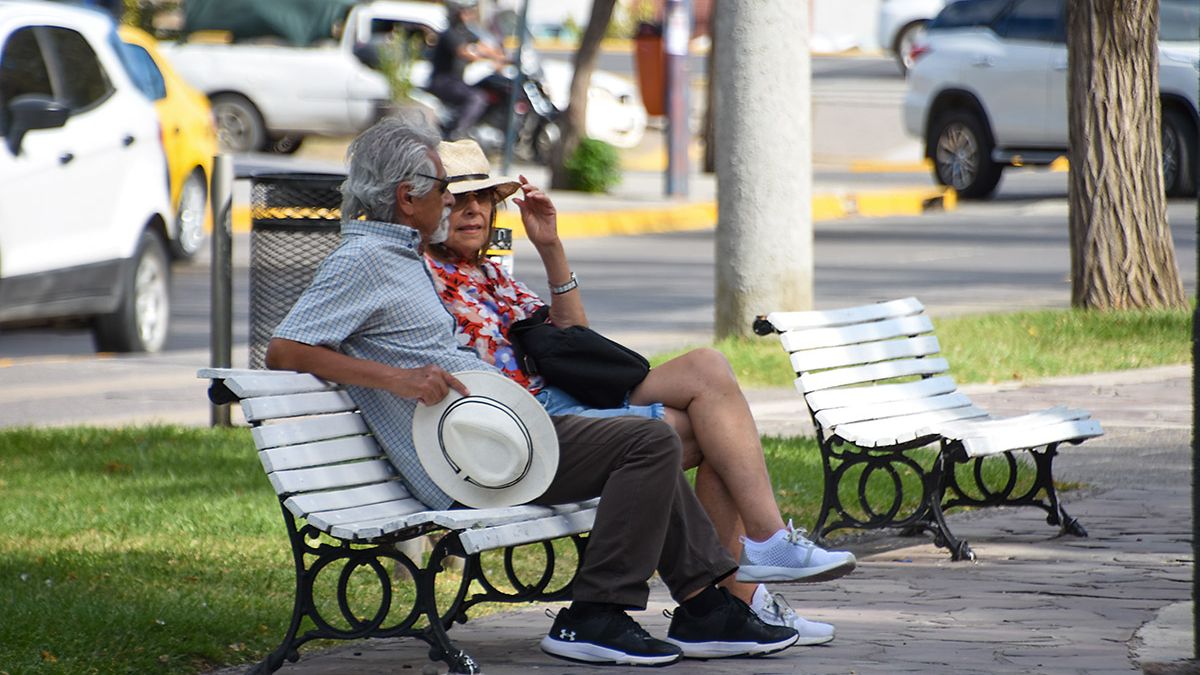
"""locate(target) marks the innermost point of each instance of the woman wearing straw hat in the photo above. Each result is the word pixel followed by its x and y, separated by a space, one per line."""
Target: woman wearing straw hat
pixel 696 393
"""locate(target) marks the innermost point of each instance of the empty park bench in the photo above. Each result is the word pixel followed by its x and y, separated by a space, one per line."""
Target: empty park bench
pixel 877 389
pixel 346 510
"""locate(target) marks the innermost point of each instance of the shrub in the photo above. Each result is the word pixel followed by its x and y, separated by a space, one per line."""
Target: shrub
pixel 593 167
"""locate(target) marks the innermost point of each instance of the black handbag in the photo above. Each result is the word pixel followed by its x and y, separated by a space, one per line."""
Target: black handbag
pixel 578 360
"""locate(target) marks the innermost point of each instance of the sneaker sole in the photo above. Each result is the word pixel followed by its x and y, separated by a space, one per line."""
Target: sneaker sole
pixel 587 652
pixel 722 650
pixel 811 641
pixel 807 575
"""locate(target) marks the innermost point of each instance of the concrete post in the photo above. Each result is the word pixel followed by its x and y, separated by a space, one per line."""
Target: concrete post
pixel 764 162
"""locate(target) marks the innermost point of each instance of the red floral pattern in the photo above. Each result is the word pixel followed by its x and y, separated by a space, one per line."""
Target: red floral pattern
pixel 484 300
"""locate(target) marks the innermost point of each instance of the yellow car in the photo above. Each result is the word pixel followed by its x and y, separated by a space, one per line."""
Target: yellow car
pixel 188 135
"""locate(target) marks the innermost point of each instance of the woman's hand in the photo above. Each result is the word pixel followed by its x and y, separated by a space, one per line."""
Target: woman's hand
pixel 538 214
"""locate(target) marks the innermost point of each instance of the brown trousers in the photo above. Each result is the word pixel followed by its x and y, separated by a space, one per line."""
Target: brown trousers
pixel 648 519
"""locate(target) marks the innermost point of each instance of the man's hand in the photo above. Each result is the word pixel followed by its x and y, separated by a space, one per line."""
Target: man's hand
pixel 428 384
pixel 538 214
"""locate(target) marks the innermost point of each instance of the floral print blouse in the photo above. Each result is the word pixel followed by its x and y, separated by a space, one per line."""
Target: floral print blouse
pixel 485 301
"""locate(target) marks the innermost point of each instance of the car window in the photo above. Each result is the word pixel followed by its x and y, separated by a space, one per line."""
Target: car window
pixel 82 81
pixel 22 70
pixel 1040 20
pixel 143 70
pixel 1179 20
pixel 966 13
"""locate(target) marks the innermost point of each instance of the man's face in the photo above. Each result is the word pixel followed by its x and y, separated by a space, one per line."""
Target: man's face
pixel 427 212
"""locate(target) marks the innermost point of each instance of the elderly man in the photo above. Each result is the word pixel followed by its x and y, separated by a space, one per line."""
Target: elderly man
pixel 372 320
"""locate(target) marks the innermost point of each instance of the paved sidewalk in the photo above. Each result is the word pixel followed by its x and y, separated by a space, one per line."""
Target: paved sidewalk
pixel 1033 602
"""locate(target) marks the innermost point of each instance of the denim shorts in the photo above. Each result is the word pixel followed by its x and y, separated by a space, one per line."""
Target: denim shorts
pixel 558 402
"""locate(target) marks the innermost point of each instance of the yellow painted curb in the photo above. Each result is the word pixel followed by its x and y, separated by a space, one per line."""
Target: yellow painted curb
pixel 872 166
pixel 1060 164
pixel 703 215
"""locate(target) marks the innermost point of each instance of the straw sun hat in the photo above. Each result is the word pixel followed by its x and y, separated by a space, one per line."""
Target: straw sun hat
pixel 468 170
pixel 496 447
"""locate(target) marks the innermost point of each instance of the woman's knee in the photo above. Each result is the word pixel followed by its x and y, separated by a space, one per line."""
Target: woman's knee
pixel 711 365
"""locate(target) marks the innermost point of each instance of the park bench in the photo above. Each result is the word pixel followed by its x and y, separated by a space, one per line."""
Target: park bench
pixel 346 512
pixel 876 389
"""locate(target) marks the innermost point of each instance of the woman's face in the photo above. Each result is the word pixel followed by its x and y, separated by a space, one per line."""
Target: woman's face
pixel 469 220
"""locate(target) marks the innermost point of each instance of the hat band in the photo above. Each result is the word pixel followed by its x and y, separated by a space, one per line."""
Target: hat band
pixel 466 176
pixel 502 408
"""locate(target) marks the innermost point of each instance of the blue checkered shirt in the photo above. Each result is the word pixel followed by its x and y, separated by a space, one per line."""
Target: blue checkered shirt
pixel 373 298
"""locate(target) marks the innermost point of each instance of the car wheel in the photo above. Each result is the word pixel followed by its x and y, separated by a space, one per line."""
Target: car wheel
pixel 286 145
pixel 905 39
pixel 1179 154
pixel 189 217
pixel 548 135
pixel 962 155
pixel 240 127
pixel 142 317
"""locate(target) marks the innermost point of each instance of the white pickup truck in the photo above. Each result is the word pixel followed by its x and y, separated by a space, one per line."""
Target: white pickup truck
pixel 270 96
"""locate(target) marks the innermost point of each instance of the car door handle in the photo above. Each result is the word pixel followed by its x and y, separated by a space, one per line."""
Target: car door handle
pixel 66 158
pixel 128 140
pixel 982 62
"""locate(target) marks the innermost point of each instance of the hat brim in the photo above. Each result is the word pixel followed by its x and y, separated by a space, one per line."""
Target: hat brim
pixel 503 186
pixel 543 438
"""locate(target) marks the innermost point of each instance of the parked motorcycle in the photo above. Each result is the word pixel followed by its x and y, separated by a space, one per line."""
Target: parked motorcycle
pixel 537 129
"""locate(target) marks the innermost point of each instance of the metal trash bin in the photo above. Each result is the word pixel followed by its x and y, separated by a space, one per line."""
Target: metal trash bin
pixel 295 221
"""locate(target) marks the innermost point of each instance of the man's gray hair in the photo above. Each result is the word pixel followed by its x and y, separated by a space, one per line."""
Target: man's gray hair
pixel 391 152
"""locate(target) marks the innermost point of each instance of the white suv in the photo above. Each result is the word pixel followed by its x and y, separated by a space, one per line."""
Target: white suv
pixel 83 181
pixel 988 90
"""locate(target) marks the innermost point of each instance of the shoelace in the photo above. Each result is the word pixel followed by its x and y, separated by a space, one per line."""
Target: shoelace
pixel 780 608
pixel 795 536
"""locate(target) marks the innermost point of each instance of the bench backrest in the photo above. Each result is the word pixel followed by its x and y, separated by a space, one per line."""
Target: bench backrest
pixel 869 363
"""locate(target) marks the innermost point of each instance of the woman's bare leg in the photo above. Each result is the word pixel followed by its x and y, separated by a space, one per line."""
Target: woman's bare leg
pixel 701 384
pixel 714 496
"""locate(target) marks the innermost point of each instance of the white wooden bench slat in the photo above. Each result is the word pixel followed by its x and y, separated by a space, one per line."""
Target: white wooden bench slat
pixel 328 500
pixel 327 477
pixel 1040 418
pixel 809 382
pixel 355 517
pixel 254 383
pixel 879 393
pixel 897 430
pixel 332 451
pixel 867 352
pixel 993 442
pixel 456 519
pixel 784 321
pixel 295 405
pixel 863 332
pixel 294 432
pixel 528 532
pixel 833 417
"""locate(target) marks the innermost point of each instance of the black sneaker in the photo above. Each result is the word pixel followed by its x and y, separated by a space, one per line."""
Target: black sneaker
pixel 730 630
pixel 606 637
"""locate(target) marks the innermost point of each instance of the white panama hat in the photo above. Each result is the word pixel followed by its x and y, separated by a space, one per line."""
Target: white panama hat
pixel 496 447
pixel 468 169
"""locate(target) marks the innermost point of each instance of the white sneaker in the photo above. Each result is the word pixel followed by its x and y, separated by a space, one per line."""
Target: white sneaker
pixel 772 608
pixel 789 556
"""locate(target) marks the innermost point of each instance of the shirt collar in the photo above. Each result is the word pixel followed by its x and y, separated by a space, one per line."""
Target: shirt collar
pixel 393 232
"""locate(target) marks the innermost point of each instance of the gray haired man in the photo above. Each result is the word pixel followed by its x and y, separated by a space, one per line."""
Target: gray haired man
pixel 371 320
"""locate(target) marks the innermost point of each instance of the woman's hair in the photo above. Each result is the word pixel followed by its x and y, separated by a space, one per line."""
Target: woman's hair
pixel 393 151
pixel 443 253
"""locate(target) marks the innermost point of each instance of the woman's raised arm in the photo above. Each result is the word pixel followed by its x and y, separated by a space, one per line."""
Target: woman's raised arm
pixel 541 226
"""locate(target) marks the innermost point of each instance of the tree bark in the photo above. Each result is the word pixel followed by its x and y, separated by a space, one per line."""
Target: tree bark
pixel 1122 252
pixel 573 123
pixel 764 241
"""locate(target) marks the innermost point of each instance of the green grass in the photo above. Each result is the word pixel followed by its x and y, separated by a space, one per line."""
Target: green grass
pixel 1008 347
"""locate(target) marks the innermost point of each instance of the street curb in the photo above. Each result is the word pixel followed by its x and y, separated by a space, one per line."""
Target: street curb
pixel 703 215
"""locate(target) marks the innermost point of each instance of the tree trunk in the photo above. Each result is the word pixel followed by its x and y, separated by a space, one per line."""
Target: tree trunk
pixel 1122 253
pixel 573 123
pixel 764 162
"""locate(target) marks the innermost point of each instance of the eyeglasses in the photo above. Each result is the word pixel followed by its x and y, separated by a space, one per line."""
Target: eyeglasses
pixel 485 196
pixel 444 182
